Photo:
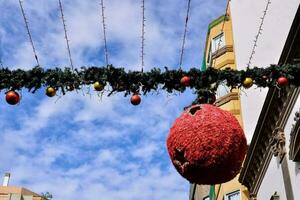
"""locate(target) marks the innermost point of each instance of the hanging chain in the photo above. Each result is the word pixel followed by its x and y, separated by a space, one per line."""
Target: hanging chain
pixel 222 30
pixel 66 35
pixel 28 32
pixel 260 29
pixel 104 32
pixel 185 33
pixel 143 35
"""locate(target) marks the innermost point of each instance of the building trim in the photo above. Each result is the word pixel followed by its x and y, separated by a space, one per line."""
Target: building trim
pixel 227 98
pixel 295 139
pixel 222 51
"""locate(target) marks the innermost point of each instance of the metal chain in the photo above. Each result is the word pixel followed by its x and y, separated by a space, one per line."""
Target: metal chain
pixel 66 35
pixel 185 33
pixel 104 32
pixel 222 30
pixel 29 33
pixel 143 35
pixel 260 28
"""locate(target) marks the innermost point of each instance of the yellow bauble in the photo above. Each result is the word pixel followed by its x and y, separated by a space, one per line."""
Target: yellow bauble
pixel 98 86
pixel 50 92
pixel 248 82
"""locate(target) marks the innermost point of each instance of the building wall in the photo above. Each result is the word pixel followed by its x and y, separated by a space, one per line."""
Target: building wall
pixel 17 193
pixel 233 185
pixel 273 180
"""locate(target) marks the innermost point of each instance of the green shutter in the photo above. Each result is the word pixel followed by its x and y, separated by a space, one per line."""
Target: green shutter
pixel 203 67
pixel 212 194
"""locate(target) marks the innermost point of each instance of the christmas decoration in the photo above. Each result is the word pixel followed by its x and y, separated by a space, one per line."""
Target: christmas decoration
pixel 248 82
pixel 12 97
pixel 185 81
pixel 282 81
pixel 50 92
pixel 133 82
pixel 135 100
pixel 207 145
pixel 98 86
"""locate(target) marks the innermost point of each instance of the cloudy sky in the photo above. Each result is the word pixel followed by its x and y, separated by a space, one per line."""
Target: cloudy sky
pixel 82 146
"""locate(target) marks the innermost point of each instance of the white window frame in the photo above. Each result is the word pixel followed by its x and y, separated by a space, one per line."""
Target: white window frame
pixel 215 42
pixel 230 193
pixel 206 198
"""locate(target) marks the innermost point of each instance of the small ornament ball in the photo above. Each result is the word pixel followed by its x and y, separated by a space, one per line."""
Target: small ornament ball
pixel 50 92
pixel 185 81
pixel 207 145
pixel 12 97
pixel 98 86
pixel 135 100
pixel 248 82
pixel 282 81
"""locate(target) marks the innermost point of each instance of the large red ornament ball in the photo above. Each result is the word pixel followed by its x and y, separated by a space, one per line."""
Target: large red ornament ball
pixel 207 145
pixel 12 97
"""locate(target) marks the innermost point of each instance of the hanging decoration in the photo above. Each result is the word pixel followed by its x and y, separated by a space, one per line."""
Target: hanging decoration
pixel 207 145
pixel 98 86
pixel 135 100
pixel 185 81
pixel 282 81
pixel 12 97
pixel 248 82
pixel 50 92
pixel 204 83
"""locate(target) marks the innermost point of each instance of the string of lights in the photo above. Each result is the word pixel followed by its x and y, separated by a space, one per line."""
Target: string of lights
pixel 104 31
pixel 28 32
pixel 184 34
pixel 66 34
pixel 259 32
pixel 143 36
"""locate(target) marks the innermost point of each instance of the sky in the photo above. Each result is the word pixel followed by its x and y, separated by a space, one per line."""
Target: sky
pixel 82 145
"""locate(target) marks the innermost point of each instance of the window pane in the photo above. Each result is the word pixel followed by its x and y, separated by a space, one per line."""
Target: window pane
pixel 233 196
pixel 218 42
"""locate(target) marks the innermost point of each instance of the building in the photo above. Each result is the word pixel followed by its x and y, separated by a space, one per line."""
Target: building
pixel 272 169
pixel 220 54
pixel 16 193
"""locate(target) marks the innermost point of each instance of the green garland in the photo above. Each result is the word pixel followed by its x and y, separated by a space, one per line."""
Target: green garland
pixel 137 82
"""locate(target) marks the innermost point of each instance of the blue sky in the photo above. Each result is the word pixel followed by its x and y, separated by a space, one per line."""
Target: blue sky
pixel 82 146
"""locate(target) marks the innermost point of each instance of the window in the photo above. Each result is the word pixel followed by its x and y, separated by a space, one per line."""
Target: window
pixel 233 196
pixel 218 42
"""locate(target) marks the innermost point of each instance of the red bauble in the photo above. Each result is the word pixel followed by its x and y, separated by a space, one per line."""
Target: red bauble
pixel 282 81
pixel 185 81
pixel 135 100
pixel 12 97
pixel 207 145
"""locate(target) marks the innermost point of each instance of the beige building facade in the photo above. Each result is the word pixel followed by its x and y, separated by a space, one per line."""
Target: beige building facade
pixel 16 193
pixel 220 54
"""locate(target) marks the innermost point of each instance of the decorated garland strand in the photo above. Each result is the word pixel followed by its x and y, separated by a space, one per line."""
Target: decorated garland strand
pixel 136 82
